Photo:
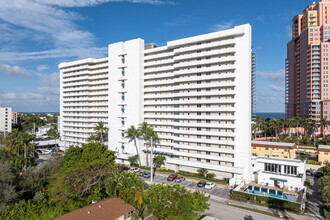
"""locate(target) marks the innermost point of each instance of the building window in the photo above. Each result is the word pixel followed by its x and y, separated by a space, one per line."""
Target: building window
pixel 123 59
pixel 123 97
pixel 123 109
pixel 254 154
pixel 290 170
pixel 274 168
pixel 123 84
pixel 123 72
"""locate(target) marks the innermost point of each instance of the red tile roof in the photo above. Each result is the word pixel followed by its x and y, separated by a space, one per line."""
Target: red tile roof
pixel 107 209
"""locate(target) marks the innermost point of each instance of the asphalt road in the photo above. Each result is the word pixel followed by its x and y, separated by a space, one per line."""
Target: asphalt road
pixel 314 204
pixel 224 212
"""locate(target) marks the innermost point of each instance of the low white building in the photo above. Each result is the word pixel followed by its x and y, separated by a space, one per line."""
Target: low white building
pixel 42 131
pixel 279 172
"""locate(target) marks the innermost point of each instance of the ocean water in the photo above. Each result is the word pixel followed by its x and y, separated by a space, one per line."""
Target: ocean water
pixel 270 115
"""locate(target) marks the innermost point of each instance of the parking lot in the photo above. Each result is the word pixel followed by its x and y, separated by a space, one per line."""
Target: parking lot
pixel 216 191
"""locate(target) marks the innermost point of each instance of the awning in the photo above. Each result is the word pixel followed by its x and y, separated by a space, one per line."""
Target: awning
pixel 280 180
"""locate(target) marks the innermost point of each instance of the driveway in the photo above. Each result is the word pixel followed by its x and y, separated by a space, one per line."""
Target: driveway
pixel 314 204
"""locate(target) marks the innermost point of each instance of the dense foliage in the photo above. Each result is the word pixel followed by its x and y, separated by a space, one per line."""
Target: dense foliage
pixel 83 175
pixel 325 183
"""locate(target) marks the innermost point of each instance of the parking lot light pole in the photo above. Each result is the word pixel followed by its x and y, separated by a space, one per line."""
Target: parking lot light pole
pixel 152 163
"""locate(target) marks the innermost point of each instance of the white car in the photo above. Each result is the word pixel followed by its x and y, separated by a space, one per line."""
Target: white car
pixel 46 151
pixel 209 185
pixel 135 169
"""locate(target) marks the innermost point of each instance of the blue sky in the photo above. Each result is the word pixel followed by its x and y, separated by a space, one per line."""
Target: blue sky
pixel 36 35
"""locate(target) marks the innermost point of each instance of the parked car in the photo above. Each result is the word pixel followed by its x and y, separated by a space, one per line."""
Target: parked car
pixel 135 169
pixel 38 151
pixel 46 151
pixel 141 173
pixel 318 174
pixel 308 172
pixel 180 179
pixel 201 183
pixel 172 177
pixel 147 175
pixel 209 185
pixel 209 218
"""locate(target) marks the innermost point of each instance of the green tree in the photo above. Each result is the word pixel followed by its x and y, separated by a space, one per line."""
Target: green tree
pixel 133 134
pixel 175 202
pixel 210 176
pixel 325 190
pixel 202 171
pixel 81 172
pixel 100 130
pixel 133 160
pixel 143 130
pixel 129 187
pixel 323 124
pixel 158 161
pixel 8 192
pixel 25 141
pixel 53 134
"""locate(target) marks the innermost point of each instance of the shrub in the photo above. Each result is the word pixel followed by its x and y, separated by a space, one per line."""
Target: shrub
pixel 313 162
pixel 307 183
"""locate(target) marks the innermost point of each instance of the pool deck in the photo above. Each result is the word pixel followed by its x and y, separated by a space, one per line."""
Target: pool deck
pixel 300 194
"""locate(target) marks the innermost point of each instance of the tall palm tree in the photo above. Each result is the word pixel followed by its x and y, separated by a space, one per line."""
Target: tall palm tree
pixel 273 125
pixel 13 142
pixel 132 134
pixel 282 124
pixel 100 129
pixel 323 124
pixel 297 122
pixel 25 141
pixel 289 123
pixel 143 129
pixel 314 127
pixel 306 122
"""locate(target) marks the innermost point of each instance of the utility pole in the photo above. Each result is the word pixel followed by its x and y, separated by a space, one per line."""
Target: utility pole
pixel 151 162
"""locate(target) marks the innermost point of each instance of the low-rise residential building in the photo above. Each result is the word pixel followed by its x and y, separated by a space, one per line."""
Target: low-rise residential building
pixel 107 209
pixel 273 149
pixel 14 120
pixel 42 131
pixel 324 154
pixel 5 120
pixel 289 174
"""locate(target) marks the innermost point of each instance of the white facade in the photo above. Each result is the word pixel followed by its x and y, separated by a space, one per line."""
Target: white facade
pixel 279 172
pixel 5 120
pixel 196 92
pixel 42 131
pixel 84 90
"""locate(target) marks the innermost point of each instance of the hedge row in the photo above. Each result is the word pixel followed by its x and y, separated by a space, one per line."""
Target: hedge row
pixel 267 201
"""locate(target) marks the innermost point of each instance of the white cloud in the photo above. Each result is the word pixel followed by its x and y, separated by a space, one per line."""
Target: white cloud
pixel 13 70
pixel 276 88
pixel 223 26
pixel 48 90
pixel 21 96
pixel 275 77
pixel 47 19
pixel 49 80
pixel 42 67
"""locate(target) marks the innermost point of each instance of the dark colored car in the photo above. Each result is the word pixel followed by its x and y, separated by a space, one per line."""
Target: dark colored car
pixel 172 177
pixel 318 174
pixel 141 173
pixel 201 183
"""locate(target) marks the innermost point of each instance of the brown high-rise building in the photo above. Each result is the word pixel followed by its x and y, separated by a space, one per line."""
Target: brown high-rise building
pixel 306 72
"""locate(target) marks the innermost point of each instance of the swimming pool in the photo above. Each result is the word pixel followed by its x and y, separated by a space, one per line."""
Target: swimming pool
pixel 260 191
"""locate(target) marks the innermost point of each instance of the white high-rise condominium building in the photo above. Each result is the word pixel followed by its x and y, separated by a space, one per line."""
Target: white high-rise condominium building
pixel 196 92
pixel 5 120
